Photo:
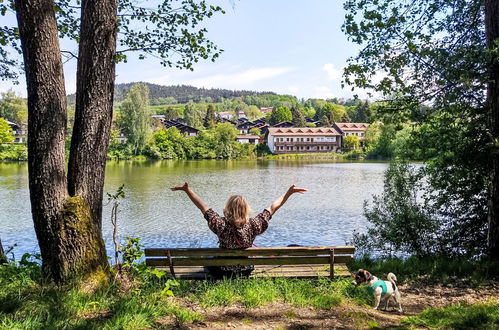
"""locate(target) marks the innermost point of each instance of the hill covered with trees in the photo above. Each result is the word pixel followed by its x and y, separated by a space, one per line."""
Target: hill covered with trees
pixel 179 93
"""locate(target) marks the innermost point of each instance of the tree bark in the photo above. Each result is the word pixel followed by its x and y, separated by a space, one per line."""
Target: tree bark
pixel 3 257
pixel 46 124
pixel 94 110
pixel 67 213
pixel 492 33
pixel 94 103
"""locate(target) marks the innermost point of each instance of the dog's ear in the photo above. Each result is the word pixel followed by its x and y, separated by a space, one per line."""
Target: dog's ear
pixel 368 276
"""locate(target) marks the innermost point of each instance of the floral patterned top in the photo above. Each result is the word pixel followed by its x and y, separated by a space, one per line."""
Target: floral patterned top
pixel 231 237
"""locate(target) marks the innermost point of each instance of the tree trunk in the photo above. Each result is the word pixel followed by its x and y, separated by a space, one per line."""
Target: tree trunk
pixel 68 229
pixel 94 110
pixel 492 32
pixel 46 124
pixel 94 103
pixel 3 257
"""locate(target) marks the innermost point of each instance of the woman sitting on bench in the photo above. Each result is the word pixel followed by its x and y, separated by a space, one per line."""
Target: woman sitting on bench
pixel 236 230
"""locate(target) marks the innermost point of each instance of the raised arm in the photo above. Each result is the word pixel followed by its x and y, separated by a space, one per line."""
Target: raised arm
pixel 281 200
pixel 192 195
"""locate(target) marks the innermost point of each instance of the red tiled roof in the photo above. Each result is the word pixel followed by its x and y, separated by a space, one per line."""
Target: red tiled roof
pixel 353 126
pixel 296 131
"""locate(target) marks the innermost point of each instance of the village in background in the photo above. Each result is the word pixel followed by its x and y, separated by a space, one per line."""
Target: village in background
pixel 185 122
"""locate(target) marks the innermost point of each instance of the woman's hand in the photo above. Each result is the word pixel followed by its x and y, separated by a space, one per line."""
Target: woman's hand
pixel 183 187
pixel 294 189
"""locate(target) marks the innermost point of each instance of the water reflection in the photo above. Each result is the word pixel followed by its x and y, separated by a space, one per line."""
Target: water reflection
pixel 326 215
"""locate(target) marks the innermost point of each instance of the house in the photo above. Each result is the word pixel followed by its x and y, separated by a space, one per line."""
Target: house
pixel 253 139
pixel 283 124
pixel 266 109
pixel 225 114
pixel 355 129
pixel 183 128
pixel 303 139
pixel 18 131
pixel 244 125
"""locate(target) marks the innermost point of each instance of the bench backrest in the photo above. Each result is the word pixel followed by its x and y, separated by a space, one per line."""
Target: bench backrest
pixel 329 255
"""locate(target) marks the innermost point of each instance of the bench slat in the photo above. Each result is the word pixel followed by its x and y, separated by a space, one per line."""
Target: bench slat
pixel 268 251
pixel 245 261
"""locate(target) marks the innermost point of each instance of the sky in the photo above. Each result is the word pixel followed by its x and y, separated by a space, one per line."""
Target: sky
pixel 291 47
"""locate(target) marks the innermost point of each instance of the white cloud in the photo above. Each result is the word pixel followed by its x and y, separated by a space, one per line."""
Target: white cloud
pixel 293 89
pixel 332 73
pixel 323 92
pixel 243 79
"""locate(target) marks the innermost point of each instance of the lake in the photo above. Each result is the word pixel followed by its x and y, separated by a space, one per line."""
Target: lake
pixel 327 214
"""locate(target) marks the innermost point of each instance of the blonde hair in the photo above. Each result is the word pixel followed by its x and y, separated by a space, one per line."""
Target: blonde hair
pixel 237 210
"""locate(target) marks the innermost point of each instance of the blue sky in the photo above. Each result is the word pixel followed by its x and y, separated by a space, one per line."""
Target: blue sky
pixel 285 46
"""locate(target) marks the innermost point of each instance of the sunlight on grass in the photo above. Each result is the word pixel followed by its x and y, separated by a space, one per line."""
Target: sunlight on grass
pixel 463 316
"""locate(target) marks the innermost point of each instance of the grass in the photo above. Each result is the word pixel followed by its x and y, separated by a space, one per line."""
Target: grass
pixel 27 301
pixel 478 316
pixel 320 293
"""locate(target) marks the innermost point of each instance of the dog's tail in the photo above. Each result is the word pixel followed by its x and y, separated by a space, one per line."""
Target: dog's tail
pixel 393 279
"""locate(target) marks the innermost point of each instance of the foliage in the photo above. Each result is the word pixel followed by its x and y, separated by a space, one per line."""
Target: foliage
pixel 117 149
pixel 183 93
pixel 210 118
pixel 399 222
pixel 171 113
pixel 298 118
pixel 6 133
pixel 216 142
pixel 169 31
pixel 359 113
pixel 379 140
pixel 406 219
pixel 429 60
pixel 13 108
pixel 280 114
pixel 252 112
pixel 14 151
pixel 433 269
pixel 193 115
pixel 131 252
pixel 135 117
pixel 350 142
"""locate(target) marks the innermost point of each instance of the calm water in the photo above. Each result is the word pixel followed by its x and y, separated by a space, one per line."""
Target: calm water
pixel 326 215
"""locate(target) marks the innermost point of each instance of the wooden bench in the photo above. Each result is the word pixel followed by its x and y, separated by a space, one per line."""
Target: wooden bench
pixel 269 261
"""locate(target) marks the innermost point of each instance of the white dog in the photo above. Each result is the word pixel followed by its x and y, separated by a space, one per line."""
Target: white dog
pixel 381 290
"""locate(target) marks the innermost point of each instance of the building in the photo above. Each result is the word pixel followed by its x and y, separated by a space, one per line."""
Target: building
pixel 18 132
pixel 303 139
pixel 266 109
pixel 355 129
pixel 225 114
pixel 183 128
pixel 253 139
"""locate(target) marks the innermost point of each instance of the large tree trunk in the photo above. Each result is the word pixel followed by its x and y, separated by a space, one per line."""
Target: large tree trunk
pixel 68 228
pixel 492 31
pixel 46 124
pixel 94 103
pixel 94 109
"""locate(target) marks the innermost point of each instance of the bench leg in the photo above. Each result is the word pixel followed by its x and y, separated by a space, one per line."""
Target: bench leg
pixel 331 263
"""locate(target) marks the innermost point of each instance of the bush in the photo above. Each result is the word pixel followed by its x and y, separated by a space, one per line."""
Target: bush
pixel 400 224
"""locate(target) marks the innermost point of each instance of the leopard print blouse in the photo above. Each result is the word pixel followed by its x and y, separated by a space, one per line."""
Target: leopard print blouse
pixel 231 237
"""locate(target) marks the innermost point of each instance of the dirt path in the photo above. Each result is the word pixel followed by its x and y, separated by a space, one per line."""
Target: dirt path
pixel 415 298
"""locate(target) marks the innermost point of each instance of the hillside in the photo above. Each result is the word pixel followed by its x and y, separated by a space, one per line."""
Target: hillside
pixel 181 93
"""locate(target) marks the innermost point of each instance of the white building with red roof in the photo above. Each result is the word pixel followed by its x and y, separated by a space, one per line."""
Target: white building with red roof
pixel 355 129
pixel 281 140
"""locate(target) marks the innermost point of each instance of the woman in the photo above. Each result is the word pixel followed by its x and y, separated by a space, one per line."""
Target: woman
pixel 236 230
